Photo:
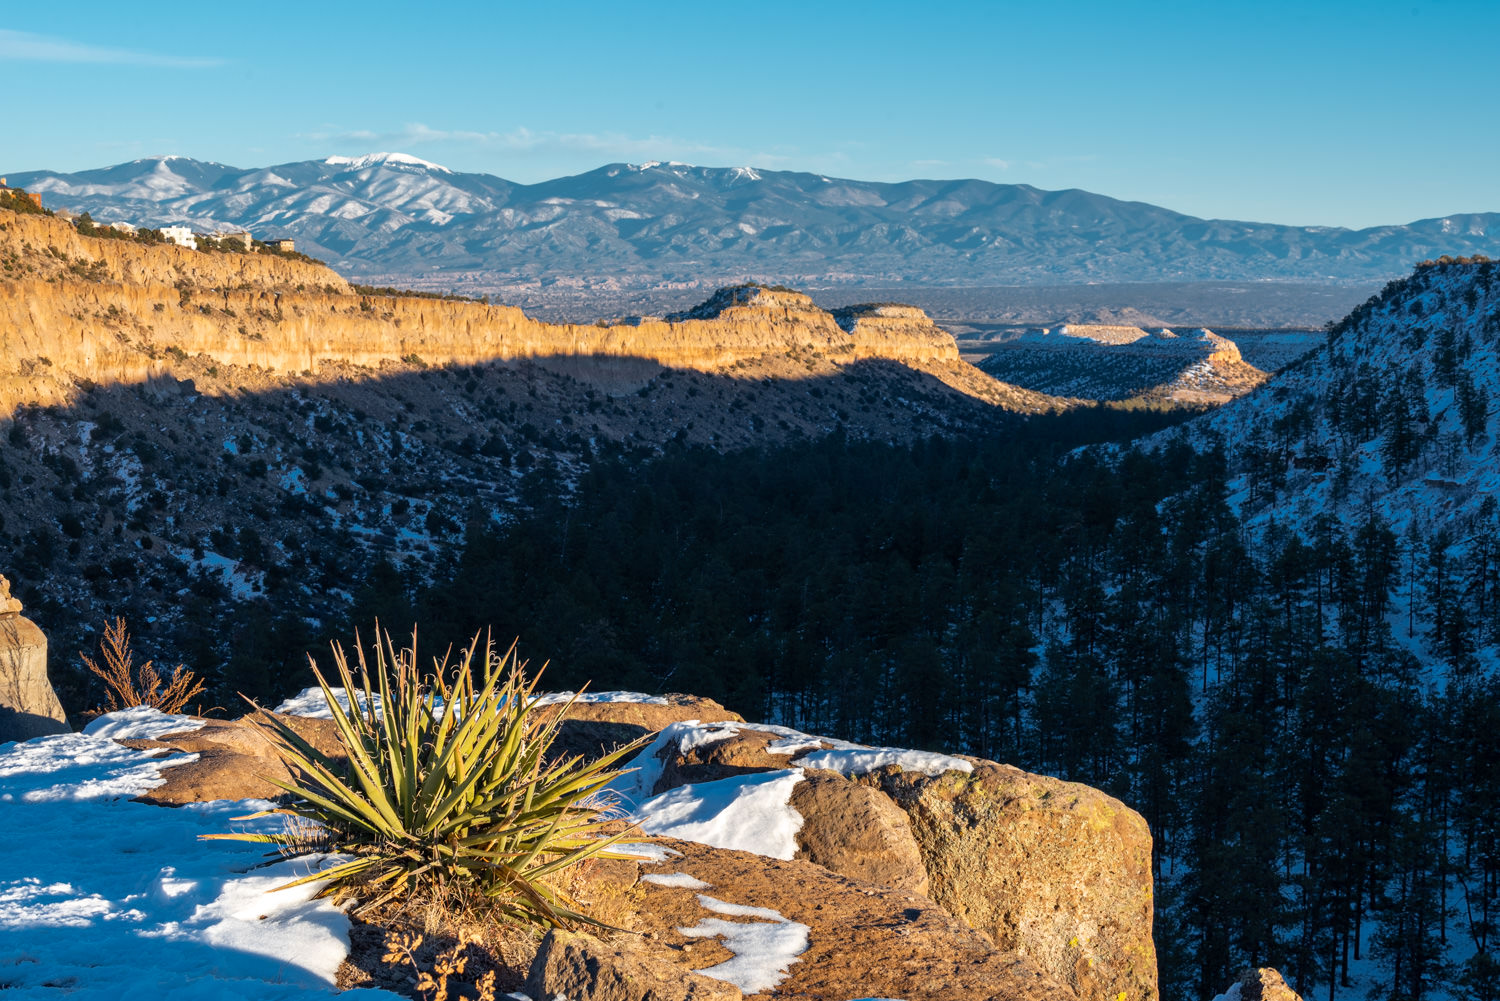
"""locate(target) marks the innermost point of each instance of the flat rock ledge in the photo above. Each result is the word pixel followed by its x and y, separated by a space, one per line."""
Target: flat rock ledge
pixel 936 885
pixel 861 940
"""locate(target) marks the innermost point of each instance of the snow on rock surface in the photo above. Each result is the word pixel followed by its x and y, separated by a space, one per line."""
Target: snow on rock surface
pixel 102 898
pixel 140 722
pixel 802 749
pixel 637 698
pixel 310 702
pixel 680 879
pixel 763 948
pixel 751 813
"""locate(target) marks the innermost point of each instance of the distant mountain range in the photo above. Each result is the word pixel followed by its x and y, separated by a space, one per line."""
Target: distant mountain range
pixel 662 224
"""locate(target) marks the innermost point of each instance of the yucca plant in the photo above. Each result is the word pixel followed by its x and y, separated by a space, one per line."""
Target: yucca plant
pixel 446 787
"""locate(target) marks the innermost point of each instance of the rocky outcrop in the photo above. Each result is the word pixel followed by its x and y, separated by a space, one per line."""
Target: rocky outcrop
pixel 236 759
pixel 1055 868
pixel 1264 984
pixel 836 937
pixel 28 705
pixel 582 968
pixel 933 877
pixel 78 308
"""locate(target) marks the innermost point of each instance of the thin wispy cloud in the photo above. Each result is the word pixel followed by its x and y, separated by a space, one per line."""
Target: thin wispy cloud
pixel 29 47
pixel 997 163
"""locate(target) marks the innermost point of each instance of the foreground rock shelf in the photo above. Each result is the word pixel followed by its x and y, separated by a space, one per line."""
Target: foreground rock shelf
pixel 871 871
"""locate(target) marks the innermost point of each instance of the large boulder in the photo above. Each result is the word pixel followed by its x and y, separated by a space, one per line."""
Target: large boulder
pixel 801 930
pixel 1058 870
pixel 847 827
pixel 856 831
pixel 28 705
pixel 596 727
pixel 719 752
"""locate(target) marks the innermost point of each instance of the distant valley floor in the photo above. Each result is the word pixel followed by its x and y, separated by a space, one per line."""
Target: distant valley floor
pixel 1242 305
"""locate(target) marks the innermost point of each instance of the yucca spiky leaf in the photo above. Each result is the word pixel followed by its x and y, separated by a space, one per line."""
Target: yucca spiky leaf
pixel 447 782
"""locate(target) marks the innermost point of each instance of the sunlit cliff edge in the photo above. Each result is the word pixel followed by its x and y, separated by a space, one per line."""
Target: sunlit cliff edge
pixel 75 308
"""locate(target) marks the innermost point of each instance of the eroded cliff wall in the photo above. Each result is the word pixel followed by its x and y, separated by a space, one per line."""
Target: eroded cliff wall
pixel 76 308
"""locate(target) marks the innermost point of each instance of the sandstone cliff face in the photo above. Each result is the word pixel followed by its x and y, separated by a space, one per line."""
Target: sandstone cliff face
pixel 48 246
pixel 28 705
pixel 78 308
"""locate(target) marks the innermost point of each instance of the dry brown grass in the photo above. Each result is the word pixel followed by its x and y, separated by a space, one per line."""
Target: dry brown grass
pixel 425 950
pixel 138 686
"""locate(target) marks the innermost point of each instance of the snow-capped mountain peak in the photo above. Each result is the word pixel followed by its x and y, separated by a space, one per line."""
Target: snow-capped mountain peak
pixel 388 213
pixel 384 159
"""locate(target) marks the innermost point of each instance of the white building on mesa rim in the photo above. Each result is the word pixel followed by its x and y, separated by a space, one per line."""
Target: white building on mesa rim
pixel 180 235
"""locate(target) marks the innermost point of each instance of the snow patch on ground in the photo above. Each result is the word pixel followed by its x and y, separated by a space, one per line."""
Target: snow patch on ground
pixel 140 722
pixel 311 703
pixel 105 899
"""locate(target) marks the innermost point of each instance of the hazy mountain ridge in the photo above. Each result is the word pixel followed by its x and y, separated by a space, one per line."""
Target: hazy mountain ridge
pixel 629 225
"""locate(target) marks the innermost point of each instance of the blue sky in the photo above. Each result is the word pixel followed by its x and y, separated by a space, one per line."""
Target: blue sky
pixel 1350 114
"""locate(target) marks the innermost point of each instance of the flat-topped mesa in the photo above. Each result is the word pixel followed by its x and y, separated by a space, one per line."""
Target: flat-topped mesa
pixel 41 246
pixel 1099 333
pixel 750 295
pixel 881 327
pixel 1197 341
pixel 75 308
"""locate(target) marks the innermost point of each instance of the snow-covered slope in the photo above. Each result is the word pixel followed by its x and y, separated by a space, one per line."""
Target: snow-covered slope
pixel 104 899
pixel 1395 414
pixel 392 213
pixel 1113 362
